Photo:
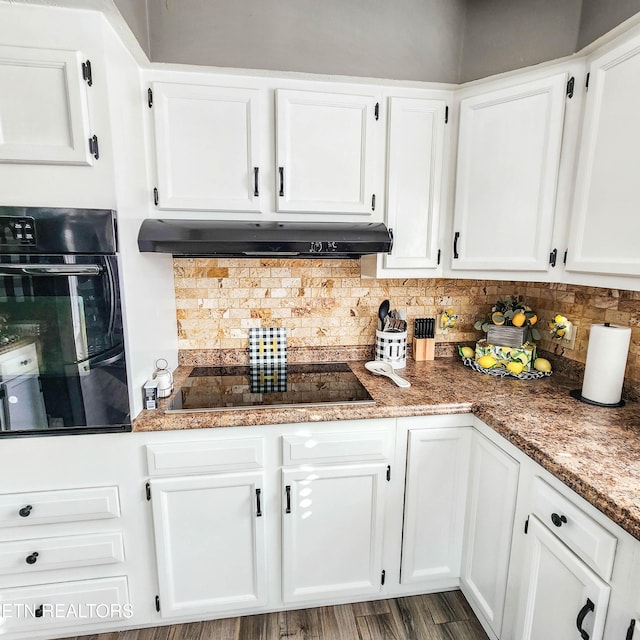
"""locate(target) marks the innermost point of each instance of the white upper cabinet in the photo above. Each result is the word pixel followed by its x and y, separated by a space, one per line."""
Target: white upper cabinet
pixel 43 107
pixel 507 173
pixel 207 147
pixel 325 150
pixel 415 194
pixel 605 225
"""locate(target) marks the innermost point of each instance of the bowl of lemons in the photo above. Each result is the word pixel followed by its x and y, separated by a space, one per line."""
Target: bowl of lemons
pixel 541 367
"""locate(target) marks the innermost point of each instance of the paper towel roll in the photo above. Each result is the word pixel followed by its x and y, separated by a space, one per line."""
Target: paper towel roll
pixel 606 361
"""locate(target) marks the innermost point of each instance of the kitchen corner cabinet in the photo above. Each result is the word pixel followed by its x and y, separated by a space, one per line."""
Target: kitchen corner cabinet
pixel 435 498
pixel 605 225
pixel 491 504
pixel 332 528
pixel 44 115
pixel 415 194
pixel 562 594
pixel 326 147
pixel 210 543
pixel 207 147
pixel 507 172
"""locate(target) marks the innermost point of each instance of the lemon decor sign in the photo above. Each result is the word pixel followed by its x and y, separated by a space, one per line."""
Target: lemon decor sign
pixel 503 356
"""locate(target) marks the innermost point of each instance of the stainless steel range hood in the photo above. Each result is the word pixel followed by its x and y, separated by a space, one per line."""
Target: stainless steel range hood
pixel 209 238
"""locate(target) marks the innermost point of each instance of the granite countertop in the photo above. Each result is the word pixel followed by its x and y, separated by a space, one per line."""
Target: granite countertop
pixel 593 450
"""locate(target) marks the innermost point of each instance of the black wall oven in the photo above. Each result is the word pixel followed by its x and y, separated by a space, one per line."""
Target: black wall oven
pixel 62 357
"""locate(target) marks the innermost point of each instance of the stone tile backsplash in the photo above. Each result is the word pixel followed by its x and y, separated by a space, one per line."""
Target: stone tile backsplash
pixel 326 303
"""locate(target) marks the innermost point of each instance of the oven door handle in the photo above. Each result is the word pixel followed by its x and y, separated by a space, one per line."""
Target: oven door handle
pixel 51 269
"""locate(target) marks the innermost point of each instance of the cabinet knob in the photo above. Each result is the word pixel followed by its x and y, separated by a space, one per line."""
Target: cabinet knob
pixel 25 511
pixel 24 363
pixel 33 558
pixel 557 520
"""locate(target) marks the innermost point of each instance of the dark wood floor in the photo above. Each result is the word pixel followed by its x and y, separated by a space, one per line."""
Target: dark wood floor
pixel 439 616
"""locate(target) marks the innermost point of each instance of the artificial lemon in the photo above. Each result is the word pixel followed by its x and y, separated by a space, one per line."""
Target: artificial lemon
pixel 467 352
pixel 518 319
pixel 515 367
pixel 542 364
pixel 559 319
pixel 487 362
pixel 450 312
pixel 533 320
pixel 497 318
pixel 560 333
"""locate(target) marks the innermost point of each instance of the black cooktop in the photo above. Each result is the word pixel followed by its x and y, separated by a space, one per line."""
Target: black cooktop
pixel 227 388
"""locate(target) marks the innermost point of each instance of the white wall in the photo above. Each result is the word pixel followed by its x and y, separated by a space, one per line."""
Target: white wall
pixel 135 13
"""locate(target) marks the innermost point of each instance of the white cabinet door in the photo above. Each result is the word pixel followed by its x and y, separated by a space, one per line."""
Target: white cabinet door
pixel 508 161
pixel 325 152
pixel 414 182
pixel 332 525
pixel 605 225
pixel 491 503
pixel 435 497
pixel 207 147
pixel 562 594
pixel 210 543
pixel 43 107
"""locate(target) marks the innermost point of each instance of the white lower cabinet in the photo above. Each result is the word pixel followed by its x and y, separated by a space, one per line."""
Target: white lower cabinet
pixel 36 609
pixel 563 597
pixel 491 503
pixel 210 543
pixel 332 526
pixel 435 497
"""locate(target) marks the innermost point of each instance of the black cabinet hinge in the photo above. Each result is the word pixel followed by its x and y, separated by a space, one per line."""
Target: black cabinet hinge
pixel 87 76
pixel 376 111
pixel 630 630
pixel 383 576
pixel 147 488
pixel 439 254
pixel 564 258
pixel 570 87
pixel 446 114
pixel 93 147
pixel 158 604
pixel 586 82
pixel 373 202
pixel 388 472
pixel 553 257
pixel 526 525
pixel 150 97
pixel 156 197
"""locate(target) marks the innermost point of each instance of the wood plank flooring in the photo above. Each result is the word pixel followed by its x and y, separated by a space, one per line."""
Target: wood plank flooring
pixel 438 616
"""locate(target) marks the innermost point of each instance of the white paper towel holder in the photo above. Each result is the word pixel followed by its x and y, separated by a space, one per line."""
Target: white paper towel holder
pixel 577 394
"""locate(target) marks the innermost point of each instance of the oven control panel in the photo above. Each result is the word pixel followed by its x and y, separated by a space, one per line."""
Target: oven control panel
pixel 17 231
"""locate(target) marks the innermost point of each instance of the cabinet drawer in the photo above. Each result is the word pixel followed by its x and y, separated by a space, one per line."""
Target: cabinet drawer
pixel 584 536
pixel 339 446
pixel 19 361
pixel 67 505
pixel 216 456
pixel 68 552
pixel 64 604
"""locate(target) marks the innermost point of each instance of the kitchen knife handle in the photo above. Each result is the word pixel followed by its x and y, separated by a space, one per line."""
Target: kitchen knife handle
pixel 281 172
pixel 288 492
